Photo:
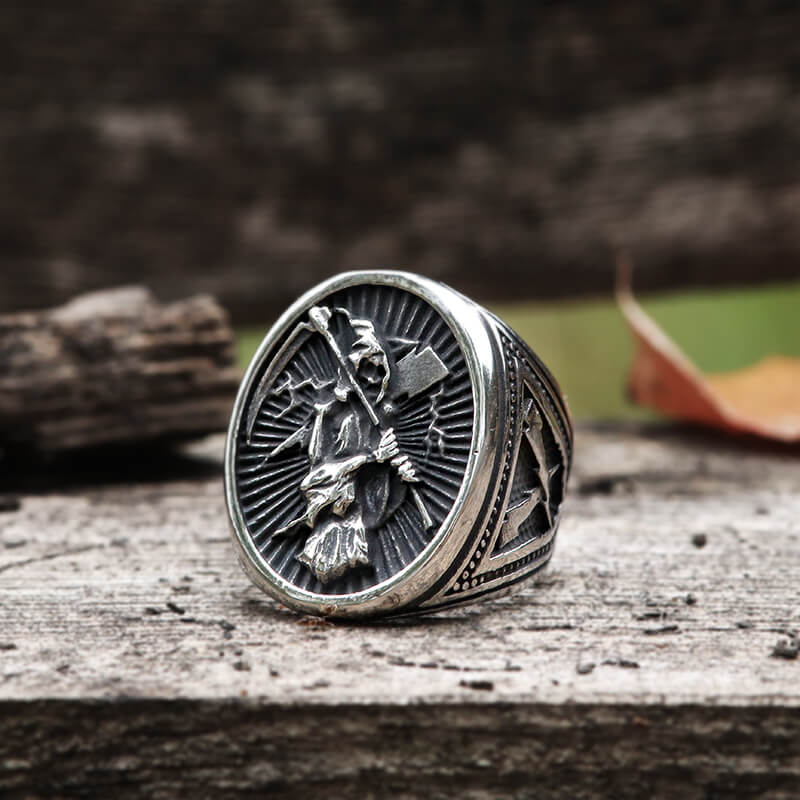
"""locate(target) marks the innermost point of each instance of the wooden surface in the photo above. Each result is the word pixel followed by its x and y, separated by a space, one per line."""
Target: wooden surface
pixel 136 660
pixel 114 367
pixel 249 148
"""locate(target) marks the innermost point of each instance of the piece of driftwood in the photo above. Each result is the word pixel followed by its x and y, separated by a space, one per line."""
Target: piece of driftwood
pixel 504 146
pixel 115 367
pixel 656 658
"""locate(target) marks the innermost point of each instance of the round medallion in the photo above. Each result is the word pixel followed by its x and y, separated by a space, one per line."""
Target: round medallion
pixel 356 438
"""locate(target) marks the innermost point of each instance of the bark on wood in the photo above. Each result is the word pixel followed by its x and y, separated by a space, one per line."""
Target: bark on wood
pixel 504 147
pixel 114 367
pixel 136 660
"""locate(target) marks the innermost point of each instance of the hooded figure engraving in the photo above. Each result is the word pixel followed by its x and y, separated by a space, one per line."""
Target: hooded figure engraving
pixel 357 476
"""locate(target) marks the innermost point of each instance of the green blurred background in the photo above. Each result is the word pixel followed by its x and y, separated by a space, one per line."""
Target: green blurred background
pixel 588 347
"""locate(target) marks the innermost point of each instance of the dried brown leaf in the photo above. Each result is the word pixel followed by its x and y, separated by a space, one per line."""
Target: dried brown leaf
pixel 762 399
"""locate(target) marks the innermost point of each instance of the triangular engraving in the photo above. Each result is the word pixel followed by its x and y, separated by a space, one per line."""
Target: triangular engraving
pixel 535 485
pixel 534 471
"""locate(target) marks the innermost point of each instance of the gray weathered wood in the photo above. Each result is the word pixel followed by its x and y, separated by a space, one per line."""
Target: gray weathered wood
pixel 115 366
pixel 136 660
pixel 503 146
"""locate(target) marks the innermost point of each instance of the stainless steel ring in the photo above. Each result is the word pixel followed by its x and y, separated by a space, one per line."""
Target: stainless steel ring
pixel 394 448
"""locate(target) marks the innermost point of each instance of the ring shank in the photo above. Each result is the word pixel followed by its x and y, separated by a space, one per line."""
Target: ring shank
pixel 518 539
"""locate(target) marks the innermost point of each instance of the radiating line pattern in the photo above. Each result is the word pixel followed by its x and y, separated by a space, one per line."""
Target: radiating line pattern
pixel 269 493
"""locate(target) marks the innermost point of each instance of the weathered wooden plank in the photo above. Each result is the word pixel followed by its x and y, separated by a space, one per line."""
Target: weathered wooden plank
pixel 504 147
pixel 136 659
pixel 115 367
pixel 475 750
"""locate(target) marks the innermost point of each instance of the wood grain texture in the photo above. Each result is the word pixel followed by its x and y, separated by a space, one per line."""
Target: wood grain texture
pixel 115 367
pixel 250 148
pixel 136 660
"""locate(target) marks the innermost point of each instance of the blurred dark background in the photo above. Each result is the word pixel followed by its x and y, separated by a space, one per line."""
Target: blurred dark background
pixel 249 148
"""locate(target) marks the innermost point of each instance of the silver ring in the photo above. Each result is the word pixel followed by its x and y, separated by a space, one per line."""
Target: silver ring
pixel 394 448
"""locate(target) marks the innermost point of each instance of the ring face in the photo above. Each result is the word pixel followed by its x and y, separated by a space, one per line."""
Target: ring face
pixel 394 448
pixel 356 439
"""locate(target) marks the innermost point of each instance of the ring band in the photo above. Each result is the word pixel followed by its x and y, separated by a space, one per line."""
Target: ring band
pixel 394 448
